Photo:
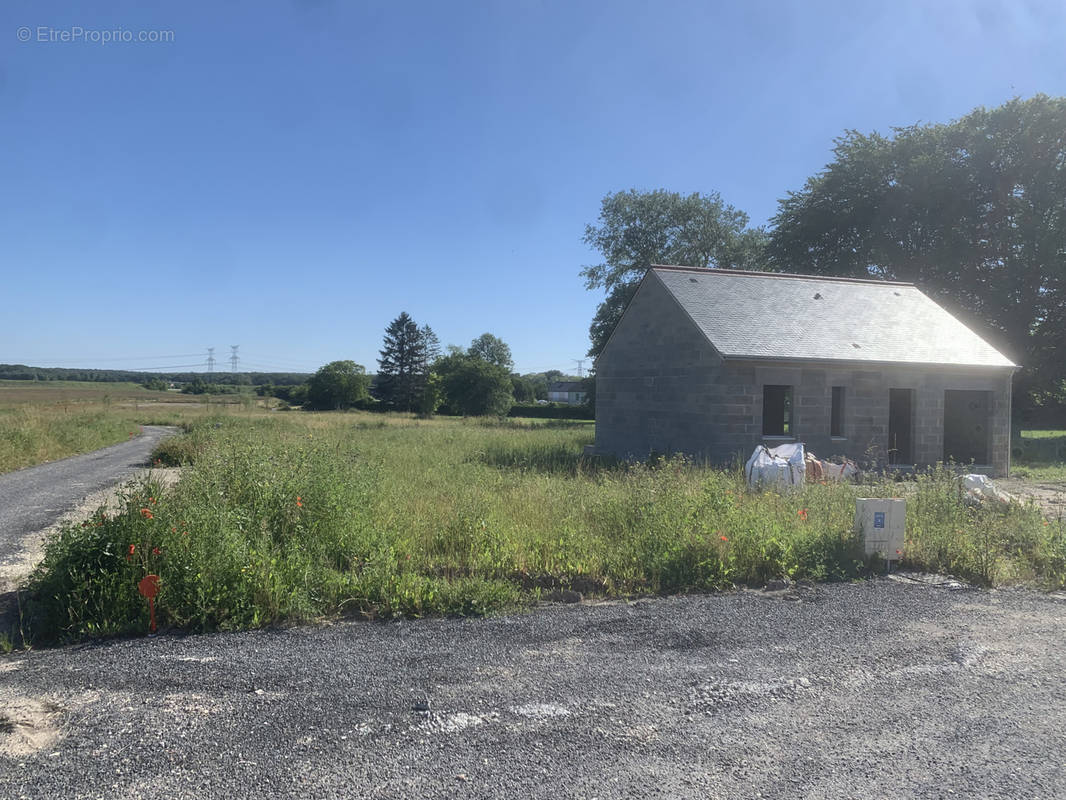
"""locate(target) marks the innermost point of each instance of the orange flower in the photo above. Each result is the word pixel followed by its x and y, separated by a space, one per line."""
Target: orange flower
pixel 724 538
pixel 298 503
pixel 151 500
pixel 802 514
pixel 146 513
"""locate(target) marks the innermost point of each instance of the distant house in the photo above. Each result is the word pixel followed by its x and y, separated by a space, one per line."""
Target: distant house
pixel 566 392
pixel 714 362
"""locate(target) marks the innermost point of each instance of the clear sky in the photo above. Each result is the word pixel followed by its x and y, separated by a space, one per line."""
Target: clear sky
pixel 290 176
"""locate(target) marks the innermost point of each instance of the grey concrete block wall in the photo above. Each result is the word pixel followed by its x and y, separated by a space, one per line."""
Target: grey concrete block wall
pixel 661 387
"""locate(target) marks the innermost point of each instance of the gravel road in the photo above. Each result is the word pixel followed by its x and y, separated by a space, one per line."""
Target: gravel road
pixel 890 688
pixel 32 499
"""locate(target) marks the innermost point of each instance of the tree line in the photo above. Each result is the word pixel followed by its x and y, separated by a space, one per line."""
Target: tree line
pixel 22 372
pixel 973 211
pixel 416 375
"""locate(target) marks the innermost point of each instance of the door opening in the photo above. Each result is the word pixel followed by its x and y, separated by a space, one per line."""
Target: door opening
pixel 966 426
pixel 900 426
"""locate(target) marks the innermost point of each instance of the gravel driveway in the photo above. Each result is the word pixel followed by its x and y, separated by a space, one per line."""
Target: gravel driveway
pixel 888 688
pixel 32 499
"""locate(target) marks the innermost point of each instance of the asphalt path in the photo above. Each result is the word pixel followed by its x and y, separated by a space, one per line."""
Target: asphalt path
pixel 31 499
pixel 882 689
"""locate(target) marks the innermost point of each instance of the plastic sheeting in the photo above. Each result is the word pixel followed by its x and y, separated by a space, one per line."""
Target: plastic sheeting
pixel 980 488
pixel 780 468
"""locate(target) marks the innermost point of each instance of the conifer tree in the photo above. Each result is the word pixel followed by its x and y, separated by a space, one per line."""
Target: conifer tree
pixel 402 365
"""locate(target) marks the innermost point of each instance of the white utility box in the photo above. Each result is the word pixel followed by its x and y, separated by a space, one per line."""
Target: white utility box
pixel 881 524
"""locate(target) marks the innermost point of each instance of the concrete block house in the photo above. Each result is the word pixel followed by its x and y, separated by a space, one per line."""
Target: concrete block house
pixel 712 363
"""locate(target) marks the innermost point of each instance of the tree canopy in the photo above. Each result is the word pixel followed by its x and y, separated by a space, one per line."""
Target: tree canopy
pixel 338 385
pixel 473 386
pixel 492 349
pixel 973 211
pixel 638 229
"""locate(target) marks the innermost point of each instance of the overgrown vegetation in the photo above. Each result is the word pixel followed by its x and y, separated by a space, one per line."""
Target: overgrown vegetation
pixel 293 517
pixel 53 420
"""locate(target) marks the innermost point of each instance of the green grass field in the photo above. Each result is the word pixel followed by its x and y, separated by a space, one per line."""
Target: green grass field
pixel 48 420
pixel 286 517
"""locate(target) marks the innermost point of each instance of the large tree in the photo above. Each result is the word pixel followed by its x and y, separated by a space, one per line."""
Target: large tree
pixel 402 366
pixel 974 211
pixel 338 385
pixel 430 346
pixel 473 386
pixel 638 229
pixel 492 349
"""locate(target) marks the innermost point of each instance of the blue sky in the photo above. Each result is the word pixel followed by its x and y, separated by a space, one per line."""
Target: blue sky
pixel 289 176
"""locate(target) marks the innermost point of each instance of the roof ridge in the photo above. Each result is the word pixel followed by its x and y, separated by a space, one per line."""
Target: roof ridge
pixel 796 275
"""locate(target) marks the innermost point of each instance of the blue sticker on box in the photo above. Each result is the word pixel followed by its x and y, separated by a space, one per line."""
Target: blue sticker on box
pixel 879 519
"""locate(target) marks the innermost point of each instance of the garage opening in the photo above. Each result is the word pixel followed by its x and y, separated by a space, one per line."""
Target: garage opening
pixel 967 415
pixel 900 426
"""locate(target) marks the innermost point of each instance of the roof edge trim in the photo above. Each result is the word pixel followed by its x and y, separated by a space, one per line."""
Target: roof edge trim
pixel 780 275
pixel 859 362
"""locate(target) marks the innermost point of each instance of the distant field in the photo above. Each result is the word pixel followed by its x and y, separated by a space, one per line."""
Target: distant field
pixel 48 420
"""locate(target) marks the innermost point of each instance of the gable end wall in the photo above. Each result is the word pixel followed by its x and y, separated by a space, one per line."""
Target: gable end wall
pixel 658 382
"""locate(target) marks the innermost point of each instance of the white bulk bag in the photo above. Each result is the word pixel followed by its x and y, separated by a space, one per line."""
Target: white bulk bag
pixel 781 468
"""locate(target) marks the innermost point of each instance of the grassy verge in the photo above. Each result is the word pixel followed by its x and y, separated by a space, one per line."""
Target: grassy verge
pixel 45 422
pixel 1041 455
pixel 294 517
pixel 32 435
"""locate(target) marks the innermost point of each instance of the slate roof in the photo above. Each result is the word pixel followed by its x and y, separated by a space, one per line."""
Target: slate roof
pixel 768 315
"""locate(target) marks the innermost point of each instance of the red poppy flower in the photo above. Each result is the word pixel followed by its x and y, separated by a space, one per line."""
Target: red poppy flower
pixel 802 514
pixel 146 513
pixel 156 551
pixel 298 503
pixel 724 538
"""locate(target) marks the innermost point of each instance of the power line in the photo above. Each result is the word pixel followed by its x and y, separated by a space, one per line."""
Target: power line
pixel 278 367
pixel 41 362
pixel 170 367
pixel 233 358
pixel 210 359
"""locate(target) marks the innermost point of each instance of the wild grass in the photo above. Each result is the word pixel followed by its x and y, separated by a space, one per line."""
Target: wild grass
pixel 299 516
pixel 1040 455
pixel 50 420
